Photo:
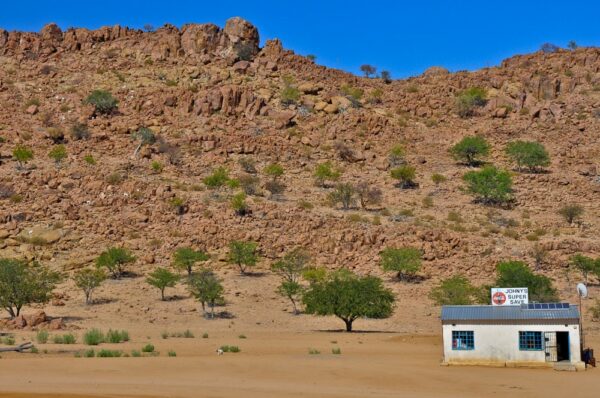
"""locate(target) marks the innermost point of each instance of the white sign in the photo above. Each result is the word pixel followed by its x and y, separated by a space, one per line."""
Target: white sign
pixel 510 296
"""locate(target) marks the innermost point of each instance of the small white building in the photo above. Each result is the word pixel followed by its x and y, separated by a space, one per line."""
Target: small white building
pixel 522 335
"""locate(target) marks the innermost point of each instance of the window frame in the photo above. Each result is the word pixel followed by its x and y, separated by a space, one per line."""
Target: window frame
pixel 467 336
pixel 528 336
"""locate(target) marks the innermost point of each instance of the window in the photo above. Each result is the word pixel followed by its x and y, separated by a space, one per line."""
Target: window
pixel 530 341
pixel 463 340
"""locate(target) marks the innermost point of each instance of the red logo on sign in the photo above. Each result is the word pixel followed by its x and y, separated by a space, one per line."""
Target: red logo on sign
pixel 499 298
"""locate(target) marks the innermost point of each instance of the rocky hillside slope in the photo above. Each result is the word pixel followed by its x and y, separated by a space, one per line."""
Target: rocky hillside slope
pixel 214 97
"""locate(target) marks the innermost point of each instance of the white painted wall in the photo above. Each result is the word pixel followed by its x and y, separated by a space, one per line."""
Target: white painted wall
pixel 500 343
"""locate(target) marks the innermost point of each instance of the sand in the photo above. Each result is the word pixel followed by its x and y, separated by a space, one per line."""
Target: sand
pixel 278 364
pixel 399 357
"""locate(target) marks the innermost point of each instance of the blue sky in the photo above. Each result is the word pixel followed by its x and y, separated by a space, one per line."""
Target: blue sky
pixel 404 37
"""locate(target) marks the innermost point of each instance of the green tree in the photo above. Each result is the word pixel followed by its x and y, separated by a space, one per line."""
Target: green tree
pixel 468 100
pixel 290 268
pixel 405 175
pixel 571 213
pixel 349 297
pixel 206 288
pixel 405 261
pixel 103 101
pixel 368 70
pixel 528 154
pixel 518 274
pixel 326 172
pixel 218 178
pixel 184 258
pixel 243 254
pixel 456 290
pixel 489 185
pixel 88 279
pixel 344 194
pixel 145 136
pixel 239 205
pixel 585 265
pixel 274 170
pixel 58 153
pixel 470 150
pixel 396 155
pixel 162 278
pixel 22 284
pixel 22 155
pixel 114 259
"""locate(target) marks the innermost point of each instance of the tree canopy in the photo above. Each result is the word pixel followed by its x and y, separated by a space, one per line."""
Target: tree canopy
pixel 23 283
pixel 404 261
pixel 470 150
pixel 206 287
pixel 185 258
pixel 349 297
pixel 489 185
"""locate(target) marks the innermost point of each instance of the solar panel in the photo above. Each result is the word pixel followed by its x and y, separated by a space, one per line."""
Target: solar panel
pixel 547 306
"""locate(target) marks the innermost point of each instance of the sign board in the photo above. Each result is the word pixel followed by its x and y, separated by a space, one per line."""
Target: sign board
pixel 510 296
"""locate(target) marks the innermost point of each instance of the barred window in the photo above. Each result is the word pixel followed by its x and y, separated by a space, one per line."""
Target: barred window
pixel 530 341
pixel 463 340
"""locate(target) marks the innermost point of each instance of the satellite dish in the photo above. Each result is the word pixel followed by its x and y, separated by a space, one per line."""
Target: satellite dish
pixel 582 290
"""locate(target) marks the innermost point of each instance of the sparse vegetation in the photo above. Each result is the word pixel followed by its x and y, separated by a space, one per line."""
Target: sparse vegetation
pixel 405 175
pixel 185 258
pixel 368 70
pixel 58 153
pixel 396 155
pixel 571 213
pixel 290 268
pixel 489 185
pixel 218 178
pixel 469 100
pixel 103 102
pixel 239 204
pixel 80 131
pixel 88 280
pixel 206 288
pixel 162 278
pixel 23 283
pixel 116 336
pixel 368 195
pixel 456 290
pixel 145 136
pixel 344 194
pixel 22 155
pixel 405 261
pixel 93 337
pixel 326 172
pixel 114 259
pixel 528 154
pixel 42 336
pixel 471 150
pixel 243 254
pixel 586 265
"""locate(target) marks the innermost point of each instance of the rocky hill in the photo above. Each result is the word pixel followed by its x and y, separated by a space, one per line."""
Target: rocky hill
pixel 216 99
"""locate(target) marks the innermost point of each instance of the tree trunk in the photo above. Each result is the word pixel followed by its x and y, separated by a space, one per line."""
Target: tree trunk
pixel 212 310
pixel 348 323
pixel 294 305
pixel 162 294
pixel 137 150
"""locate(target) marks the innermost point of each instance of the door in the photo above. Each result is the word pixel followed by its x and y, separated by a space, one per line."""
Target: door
pixel 550 346
pixel 562 346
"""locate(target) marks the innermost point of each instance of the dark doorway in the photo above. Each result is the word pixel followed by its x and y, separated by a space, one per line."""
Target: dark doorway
pixel 562 346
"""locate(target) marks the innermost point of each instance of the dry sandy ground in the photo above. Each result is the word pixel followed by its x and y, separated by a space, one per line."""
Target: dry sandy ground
pixel 277 364
pixel 400 359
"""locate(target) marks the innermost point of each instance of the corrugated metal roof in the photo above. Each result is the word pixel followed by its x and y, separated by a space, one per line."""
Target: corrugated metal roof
pixel 506 313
